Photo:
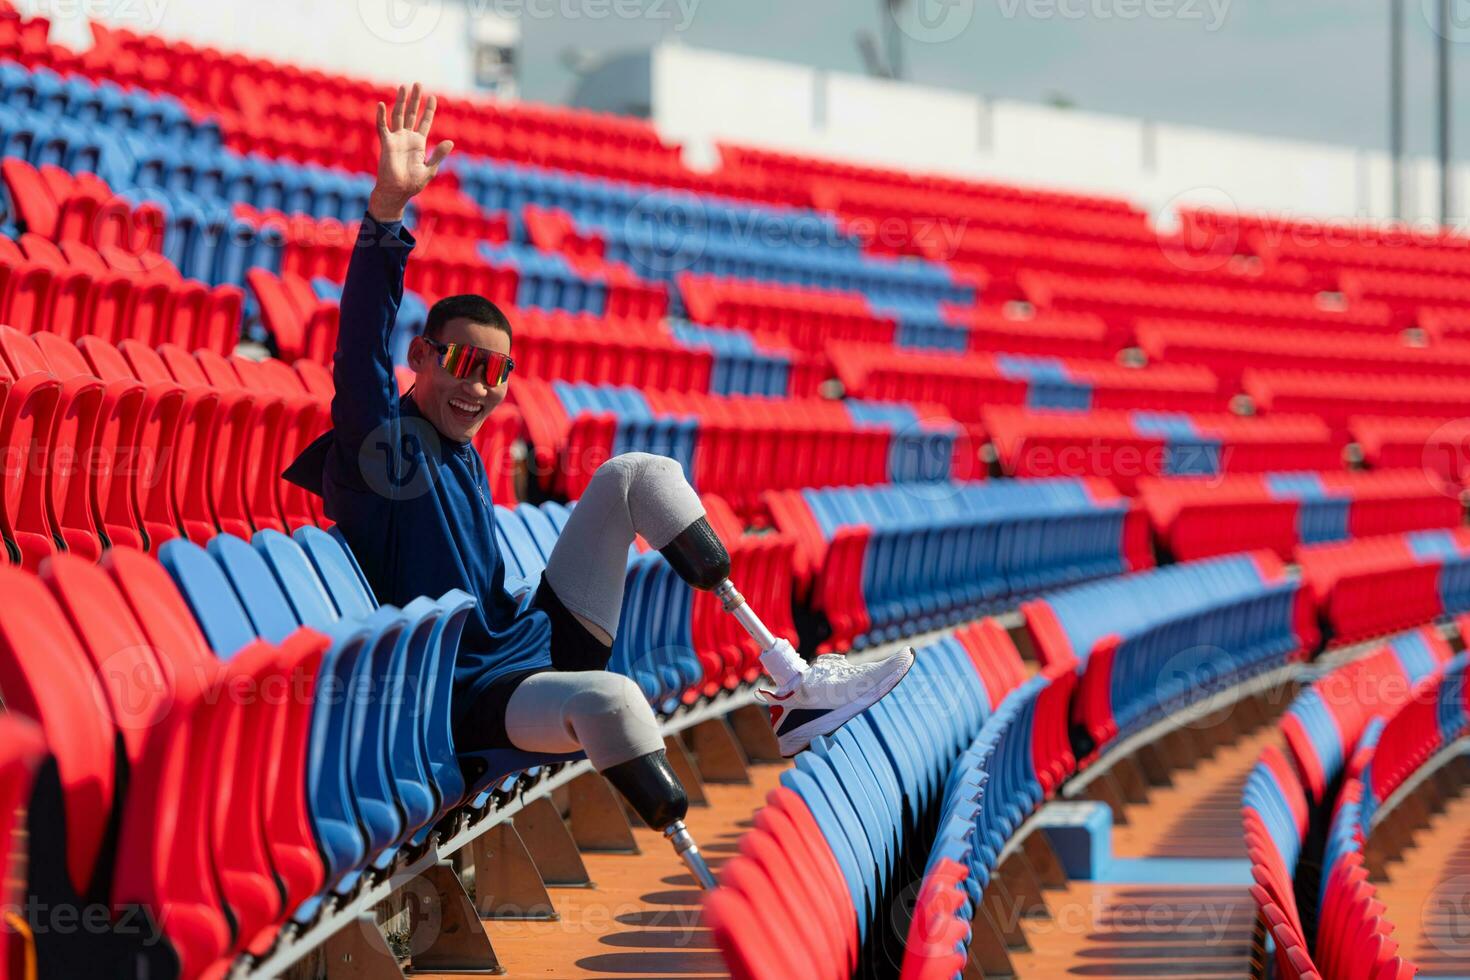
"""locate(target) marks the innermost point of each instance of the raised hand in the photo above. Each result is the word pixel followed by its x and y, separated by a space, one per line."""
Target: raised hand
pixel 405 166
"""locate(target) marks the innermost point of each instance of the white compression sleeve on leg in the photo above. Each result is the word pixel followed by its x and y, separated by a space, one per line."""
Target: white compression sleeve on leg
pixel 635 493
pixel 602 713
pixel 784 665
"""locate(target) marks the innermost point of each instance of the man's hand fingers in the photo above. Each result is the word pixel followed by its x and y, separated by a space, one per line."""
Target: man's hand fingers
pixel 429 106
pixel 411 114
pixel 382 121
pixel 438 156
pixel 396 122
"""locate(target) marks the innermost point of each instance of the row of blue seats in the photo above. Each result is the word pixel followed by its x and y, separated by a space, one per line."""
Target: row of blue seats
pixel 639 428
pixel 503 186
pixel 1172 663
pixel 739 367
pixel 546 281
pixel 922 450
pixel 205 240
pixel 659 247
pixel 382 764
pixel 41 141
pixel 81 100
pixel 661 233
pixel 869 784
pixel 942 552
pixel 990 790
pixel 223 176
pixel 1128 606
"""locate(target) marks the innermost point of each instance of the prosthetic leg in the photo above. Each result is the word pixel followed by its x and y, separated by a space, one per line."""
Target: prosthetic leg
pixel 649 785
pixel 700 558
pixel 648 782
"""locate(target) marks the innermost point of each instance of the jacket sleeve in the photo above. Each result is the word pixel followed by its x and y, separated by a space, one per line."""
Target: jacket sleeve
pixel 366 391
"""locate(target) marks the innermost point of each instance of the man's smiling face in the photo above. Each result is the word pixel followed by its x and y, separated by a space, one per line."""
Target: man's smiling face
pixel 457 407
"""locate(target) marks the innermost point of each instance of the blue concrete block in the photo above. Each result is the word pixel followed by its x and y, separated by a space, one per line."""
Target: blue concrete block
pixel 1081 834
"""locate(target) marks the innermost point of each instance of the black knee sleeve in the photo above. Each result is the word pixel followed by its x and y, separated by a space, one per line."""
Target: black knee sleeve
pixel 573 647
pixel 649 785
pixel 699 556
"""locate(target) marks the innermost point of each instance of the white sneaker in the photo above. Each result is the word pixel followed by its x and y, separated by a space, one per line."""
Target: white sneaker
pixel 830 693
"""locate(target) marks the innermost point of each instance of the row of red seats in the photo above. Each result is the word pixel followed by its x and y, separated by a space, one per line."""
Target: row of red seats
pixel 125 445
pixel 929 217
pixel 797 168
pixel 1122 302
pixel 557 345
pixel 1108 444
pixel 1372 586
pixel 1002 255
pixel 1440 447
pixel 1231 351
pixel 90 266
pixel 264 92
pixel 443 265
pixel 62 206
pixel 1337 398
pixel 1273 890
pixel 1322 726
pixel 554 230
pixel 807 318
pixel 967 384
pixel 303 324
pixel 1037 332
pixel 1196 517
pixel 207 783
pixel 1325 248
pixel 1406 292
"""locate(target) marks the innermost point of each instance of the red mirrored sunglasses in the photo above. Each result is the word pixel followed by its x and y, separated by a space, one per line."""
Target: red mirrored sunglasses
pixel 468 361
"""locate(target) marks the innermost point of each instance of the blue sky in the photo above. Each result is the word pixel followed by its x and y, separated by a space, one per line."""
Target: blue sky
pixel 1305 69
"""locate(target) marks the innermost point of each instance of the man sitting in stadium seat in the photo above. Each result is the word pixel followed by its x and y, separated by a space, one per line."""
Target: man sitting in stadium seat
pixel 409 491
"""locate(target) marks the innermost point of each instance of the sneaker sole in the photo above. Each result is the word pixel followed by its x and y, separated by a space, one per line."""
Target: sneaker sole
pixel 824 725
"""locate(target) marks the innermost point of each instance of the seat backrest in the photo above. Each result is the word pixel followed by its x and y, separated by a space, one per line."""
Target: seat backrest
pixel 210 596
pixel 48 678
pixel 337 569
pixel 527 555
pixel 138 687
pixel 255 587
pixel 162 613
pixel 297 577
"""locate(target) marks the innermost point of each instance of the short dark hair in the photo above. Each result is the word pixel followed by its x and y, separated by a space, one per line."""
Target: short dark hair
pixel 476 309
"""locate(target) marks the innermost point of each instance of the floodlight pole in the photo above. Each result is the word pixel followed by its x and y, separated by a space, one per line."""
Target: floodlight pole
pixel 1396 103
pixel 1445 175
pixel 893 37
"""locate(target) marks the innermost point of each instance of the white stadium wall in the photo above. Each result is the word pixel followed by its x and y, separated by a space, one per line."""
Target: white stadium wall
pixel 700 97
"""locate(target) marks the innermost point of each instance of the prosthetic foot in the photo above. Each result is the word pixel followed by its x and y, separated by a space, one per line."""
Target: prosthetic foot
pixel 825 695
pixel 649 785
